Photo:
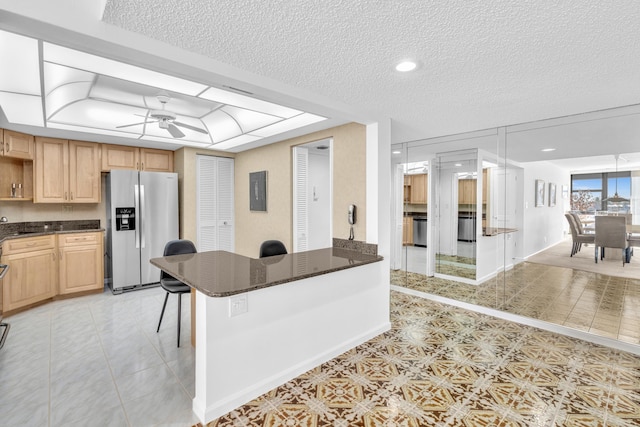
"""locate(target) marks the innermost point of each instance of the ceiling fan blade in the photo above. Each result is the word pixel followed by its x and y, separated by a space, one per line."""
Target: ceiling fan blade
pixel 174 131
pixel 184 125
pixel 132 124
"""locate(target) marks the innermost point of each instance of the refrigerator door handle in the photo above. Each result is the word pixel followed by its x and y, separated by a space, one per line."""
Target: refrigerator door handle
pixel 142 214
pixel 136 198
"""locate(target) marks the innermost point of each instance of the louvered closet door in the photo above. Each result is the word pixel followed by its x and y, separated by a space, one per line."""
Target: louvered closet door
pixel 225 221
pixel 300 199
pixel 215 204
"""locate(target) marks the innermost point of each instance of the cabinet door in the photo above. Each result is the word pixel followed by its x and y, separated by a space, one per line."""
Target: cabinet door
pixel 80 268
pixel 120 157
pixel 18 145
pixel 84 172
pixel 51 174
pixel 156 160
pixel 407 230
pixel 419 189
pixel 31 278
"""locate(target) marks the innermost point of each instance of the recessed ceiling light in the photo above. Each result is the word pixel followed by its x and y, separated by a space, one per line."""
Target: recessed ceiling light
pixel 548 149
pixel 405 66
pixel 458 164
pixel 396 152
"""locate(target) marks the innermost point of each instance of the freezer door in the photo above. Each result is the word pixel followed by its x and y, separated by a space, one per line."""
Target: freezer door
pixel 125 257
pixel 159 219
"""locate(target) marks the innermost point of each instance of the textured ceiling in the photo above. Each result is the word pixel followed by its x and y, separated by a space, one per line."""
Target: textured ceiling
pixel 482 63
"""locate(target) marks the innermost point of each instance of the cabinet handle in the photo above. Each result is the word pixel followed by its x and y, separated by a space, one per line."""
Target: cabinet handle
pixel 53 255
pixel 65 195
pixel 31 244
pixel 6 149
pixel 60 254
pixel 142 166
pixel 72 195
pixel 137 165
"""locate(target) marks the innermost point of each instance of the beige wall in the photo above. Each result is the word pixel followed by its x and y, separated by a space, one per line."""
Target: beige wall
pixel 252 228
pixel 349 187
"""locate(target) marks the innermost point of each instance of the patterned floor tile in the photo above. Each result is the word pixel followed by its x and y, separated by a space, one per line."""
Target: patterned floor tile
pixel 451 367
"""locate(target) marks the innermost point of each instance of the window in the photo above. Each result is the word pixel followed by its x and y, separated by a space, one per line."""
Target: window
pixel 589 192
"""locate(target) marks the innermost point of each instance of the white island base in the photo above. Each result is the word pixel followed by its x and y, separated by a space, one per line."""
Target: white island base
pixel 287 330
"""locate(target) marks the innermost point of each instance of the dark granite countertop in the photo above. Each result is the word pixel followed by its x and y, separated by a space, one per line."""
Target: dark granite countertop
pixel 494 231
pixel 16 230
pixel 221 273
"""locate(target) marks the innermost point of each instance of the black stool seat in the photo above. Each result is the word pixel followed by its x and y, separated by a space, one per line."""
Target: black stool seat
pixel 271 248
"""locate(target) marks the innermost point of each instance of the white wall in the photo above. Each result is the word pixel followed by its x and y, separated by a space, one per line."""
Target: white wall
pixel 319 193
pixel 544 226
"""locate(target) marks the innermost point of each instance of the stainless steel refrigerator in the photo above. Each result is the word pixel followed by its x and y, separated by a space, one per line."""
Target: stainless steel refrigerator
pixel 142 216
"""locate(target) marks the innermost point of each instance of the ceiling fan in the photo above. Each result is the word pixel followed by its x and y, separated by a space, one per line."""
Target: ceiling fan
pixel 166 119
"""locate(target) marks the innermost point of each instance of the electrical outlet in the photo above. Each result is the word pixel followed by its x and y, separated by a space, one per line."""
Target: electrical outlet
pixel 67 208
pixel 238 304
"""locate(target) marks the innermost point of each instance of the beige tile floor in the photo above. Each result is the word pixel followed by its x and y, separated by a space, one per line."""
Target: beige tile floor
pixel 599 304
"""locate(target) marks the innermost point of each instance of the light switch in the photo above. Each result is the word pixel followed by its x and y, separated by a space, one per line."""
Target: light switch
pixel 238 304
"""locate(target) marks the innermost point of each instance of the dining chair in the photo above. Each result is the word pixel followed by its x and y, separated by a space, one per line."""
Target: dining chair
pixel 611 232
pixel 577 238
pixel 170 283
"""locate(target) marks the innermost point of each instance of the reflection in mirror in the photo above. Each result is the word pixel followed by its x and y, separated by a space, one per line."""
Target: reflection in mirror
pixel 524 262
pixel 457 213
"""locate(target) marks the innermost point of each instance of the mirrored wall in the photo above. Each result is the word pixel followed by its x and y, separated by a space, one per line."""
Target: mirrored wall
pixel 480 218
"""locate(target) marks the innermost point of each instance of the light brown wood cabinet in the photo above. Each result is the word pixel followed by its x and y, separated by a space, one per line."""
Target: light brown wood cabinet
pixel 66 171
pixel 407 230
pixel 16 145
pixel 42 267
pixel 416 189
pixel 467 192
pixel 16 164
pixel 419 193
pixel 80 262
pixel 32 275
pixel 144 159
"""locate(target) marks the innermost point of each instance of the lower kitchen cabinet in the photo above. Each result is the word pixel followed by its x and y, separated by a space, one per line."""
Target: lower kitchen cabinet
pixel 55 264
pixel 407 230
pixel 32 275
pixel 80 262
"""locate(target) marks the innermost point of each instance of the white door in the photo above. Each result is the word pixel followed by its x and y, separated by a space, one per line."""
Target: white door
pixel 300 197
pixel 215 203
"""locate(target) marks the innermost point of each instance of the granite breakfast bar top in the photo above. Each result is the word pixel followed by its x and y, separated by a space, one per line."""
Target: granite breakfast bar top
pixel 222 273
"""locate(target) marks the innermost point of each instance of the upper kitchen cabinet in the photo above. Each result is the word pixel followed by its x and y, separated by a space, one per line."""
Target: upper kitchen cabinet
pixel 415 189
pixel 16 166
pixel 15 144
pixel 145 159
pixel 66 171
pixel 419 189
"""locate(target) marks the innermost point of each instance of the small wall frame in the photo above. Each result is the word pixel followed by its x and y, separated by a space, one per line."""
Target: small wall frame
pixel 552 194
pixel 539 192
pixel 258 191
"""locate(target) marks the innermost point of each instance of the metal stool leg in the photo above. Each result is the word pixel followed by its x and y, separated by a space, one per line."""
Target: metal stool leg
pixel 179 316
pixel 162 314
pixel 3 338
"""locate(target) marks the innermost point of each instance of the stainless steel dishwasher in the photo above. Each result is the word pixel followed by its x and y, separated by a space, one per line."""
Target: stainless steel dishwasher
pixel 420 231
pixel 467 228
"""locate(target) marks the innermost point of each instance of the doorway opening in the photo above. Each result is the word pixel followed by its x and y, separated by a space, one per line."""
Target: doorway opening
pixel 312 195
